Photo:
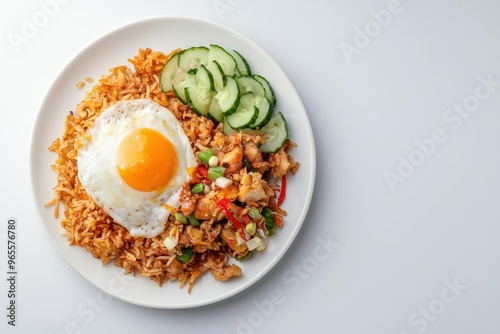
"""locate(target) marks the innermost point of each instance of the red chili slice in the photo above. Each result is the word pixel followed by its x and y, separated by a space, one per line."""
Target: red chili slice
pixel 282 194
pixel 223 204
pixel 202 173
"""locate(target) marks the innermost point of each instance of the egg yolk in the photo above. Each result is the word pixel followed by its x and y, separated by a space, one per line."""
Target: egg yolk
pixel 146 160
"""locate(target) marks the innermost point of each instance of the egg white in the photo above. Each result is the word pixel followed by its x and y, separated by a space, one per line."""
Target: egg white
pixel 141 213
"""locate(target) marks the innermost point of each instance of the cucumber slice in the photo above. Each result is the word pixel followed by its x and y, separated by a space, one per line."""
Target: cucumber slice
pixel 245 114
pixel 199 99
pixel 193 57
pixel 204 78
pixel 223 57
pixel 226 128
pixel 180 88
pixel 229 96
pixel 215 112
pixel 275 134
pixel 171 74
pixel 200 94
pixel 267 87
pixel 241 64
pixel 217 74
pixel 250 84
pixel 265 112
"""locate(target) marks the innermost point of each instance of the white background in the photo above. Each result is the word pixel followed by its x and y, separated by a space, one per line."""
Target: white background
pixel 423 257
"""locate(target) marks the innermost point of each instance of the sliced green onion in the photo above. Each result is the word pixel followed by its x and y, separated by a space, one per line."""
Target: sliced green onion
pixel 264 240
pixel 193 221
pixel 187 254
pixel 251 228
pixel 170 242
pixel 268 216
pixel 180 217
pixel 205 155
pixel 213 161
pixel 223 182
pixel 215 172
pixel 254 243
pixel 197 188
pixel 248 165
pixel 244 257
pixel 254 213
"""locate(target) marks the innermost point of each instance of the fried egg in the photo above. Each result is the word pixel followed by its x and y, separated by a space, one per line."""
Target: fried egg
pixel 133 162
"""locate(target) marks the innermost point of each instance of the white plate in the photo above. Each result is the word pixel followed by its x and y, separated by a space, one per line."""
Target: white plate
pixel 113 49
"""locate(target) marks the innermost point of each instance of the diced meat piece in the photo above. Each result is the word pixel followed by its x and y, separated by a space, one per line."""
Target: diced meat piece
pixel 219 269
pixel 251 189
pixel 229 236
pixel 281 162
pixel 186 200
pixel 226 272
pixel 232 160
pixel 206 209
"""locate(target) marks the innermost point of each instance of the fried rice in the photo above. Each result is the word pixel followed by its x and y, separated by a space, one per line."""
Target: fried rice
pixel 214 241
